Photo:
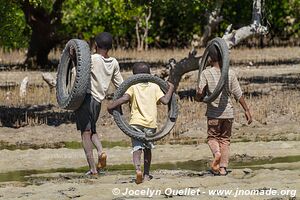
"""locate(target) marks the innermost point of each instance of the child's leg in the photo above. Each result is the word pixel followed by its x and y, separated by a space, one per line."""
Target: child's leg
pixel 213 131
pixel 137 163
pixel 147 162
pixel 224 147
pixel 96 141
pixel 101 155
pixel 136 158
pixel 225 144
pixel 88 149
pixel 147 153
pixel 215 149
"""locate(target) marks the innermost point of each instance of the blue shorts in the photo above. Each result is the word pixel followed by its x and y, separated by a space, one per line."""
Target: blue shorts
pixel 137 144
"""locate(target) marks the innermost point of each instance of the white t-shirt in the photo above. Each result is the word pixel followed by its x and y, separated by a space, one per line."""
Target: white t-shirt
pixel 103 71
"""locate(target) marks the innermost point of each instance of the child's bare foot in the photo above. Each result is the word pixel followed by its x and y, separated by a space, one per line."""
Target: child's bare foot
pixel 139 177
pixel 102 161
pixel 215 165
pixel 147 177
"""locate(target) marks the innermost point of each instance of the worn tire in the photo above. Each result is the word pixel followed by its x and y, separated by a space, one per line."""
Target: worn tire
pixel 172 114
pixel 71 93
pixel 223 49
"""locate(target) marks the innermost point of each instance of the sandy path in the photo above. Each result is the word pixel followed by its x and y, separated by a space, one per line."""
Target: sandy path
pixel 73 158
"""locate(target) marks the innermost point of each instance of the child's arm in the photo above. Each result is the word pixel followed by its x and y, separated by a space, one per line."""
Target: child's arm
pixel 200 94
pixel 124 99
pixel 201 89
pixel 166 98
pixel 238 95
pixel 117 78
pixel 246 109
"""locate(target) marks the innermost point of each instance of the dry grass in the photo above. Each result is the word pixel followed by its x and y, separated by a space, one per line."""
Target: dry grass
pixel 269 54
pixel 163 55
pixel 279 103
pixel 37 94
pixel 12 57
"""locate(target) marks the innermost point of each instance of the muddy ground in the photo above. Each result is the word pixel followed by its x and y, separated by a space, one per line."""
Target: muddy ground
pixel 254 166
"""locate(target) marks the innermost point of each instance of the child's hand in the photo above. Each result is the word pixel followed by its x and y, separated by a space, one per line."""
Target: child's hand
pixel 248 116
pixel 109 109
pixel 200 94
pixel 171 84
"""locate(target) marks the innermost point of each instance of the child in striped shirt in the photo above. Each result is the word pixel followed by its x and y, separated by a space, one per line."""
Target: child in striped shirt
pixel 220 112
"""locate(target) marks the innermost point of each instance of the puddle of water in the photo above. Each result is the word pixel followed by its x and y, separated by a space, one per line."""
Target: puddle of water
pixel 287 159
pixel 69 145
pixel 198 165
pixel 77 145
pixel 105 144
pixel 22 175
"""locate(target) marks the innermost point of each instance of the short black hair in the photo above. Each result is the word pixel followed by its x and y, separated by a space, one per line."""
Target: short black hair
pixel 104 41
pixel 214 53
pixel 141 68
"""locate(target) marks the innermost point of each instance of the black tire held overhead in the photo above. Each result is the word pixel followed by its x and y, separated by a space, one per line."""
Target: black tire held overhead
pixel 224 51
pixel 71 98
pixel 172 115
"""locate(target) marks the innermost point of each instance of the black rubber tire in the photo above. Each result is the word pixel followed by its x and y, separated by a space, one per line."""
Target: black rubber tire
pixel 68 96
pixel 224 51
pixel 172 115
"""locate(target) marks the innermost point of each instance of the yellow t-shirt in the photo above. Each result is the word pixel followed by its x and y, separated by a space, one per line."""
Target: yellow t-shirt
pixel 143 103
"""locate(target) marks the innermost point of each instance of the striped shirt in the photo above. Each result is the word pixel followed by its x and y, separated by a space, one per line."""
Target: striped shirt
pixel 103 71
pixel 221 108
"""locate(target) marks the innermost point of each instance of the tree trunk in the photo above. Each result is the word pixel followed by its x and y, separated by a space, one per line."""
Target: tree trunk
pixel 142 32
pixel 138 45
pixel 44 31
pixel 147 18
pixel 39 47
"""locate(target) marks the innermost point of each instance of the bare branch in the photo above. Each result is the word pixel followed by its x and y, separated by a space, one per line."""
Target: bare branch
pixel 49 79
pixel 214 20
pixel 177 70
pixel 255 28
pixel 232 39
pixel 23 87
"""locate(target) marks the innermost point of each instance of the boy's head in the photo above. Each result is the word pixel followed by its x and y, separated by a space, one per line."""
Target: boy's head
pixel 141 68
pixel 214 53
pixel 104 41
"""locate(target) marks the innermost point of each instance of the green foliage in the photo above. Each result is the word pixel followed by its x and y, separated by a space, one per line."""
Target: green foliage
pixel 284 17
pixel 87 18
pixel 14 33
pixel 172 23
pixel 238 13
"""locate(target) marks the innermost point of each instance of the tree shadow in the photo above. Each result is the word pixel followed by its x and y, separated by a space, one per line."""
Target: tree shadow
pixel 16 117
pixel 285 79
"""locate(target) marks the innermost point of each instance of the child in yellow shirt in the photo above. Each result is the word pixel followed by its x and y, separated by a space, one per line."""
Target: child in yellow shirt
pixel 143 98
